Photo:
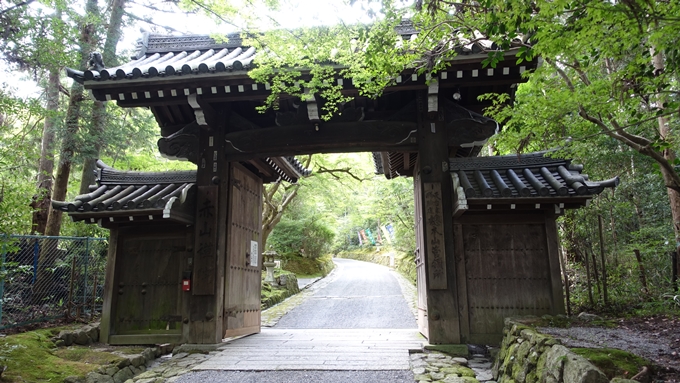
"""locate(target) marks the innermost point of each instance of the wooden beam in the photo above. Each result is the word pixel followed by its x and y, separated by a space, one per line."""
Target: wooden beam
pixel 321 137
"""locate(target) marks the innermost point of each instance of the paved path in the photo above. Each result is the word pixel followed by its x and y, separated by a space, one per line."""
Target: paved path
pixel 354 326
pixel 359 295
pixel 327 355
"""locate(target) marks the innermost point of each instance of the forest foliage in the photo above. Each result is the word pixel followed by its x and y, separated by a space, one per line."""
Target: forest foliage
pixel 606 95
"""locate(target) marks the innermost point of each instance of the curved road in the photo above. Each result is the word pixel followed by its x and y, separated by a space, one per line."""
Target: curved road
pixel 358 295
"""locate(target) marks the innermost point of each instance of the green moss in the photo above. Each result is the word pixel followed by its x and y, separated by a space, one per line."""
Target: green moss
pixel 31 357
pixel 451 349
pixel 87 356
pixel 130 350
pixel 540 366
pixel 458 370
pixel 613 362
pixel 272 295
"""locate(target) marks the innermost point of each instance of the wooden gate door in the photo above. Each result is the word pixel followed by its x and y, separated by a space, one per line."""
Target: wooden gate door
pixel 508 274
pixel 244 260
pixel 421 283
pixel 146 305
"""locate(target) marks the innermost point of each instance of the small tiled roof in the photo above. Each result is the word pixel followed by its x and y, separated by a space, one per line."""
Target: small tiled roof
pixel 522 176
pixel 128 195
pixel 297 165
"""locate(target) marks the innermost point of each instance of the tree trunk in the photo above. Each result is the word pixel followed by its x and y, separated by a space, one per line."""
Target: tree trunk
pixel 668 154
pixel 605 298
pixel 641 270
pixel 41 201
pixel 272 211
pixel 113 35
pixel 96 132
pixel 584 256
pixel 68 148
pixel 65 157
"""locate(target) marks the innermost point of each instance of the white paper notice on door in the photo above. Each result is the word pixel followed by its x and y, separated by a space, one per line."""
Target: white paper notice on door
pixel 254 254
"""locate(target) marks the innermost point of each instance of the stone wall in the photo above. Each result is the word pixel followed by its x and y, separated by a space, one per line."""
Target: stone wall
pixel 527 356
pixel 285 285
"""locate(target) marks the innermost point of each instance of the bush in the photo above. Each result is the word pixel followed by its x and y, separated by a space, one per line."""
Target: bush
pixel 308 237
pixel 307 267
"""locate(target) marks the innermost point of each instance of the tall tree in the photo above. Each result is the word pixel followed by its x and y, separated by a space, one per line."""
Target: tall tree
pixel 33 41
pixel 87 41
pixel 41 200
pixel 114 32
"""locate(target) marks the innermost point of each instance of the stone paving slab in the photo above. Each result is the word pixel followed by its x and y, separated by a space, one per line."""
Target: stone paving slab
pixel 324 349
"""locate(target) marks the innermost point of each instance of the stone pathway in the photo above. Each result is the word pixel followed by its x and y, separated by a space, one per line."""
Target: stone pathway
pixel 323 349
pixel 427 367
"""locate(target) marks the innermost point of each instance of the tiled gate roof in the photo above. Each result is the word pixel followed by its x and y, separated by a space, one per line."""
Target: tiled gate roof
pixel 528 179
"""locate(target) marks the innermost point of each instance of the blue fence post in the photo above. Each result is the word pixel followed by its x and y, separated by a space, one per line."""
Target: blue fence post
pixel 36 253
pixel 2 274
pixel 87 261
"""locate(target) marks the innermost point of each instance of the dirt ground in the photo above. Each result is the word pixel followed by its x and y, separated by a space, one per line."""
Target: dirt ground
pixel 655 338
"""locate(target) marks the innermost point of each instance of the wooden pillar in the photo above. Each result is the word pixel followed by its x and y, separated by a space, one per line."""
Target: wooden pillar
pixel 105 325
pixel 206 307
pixel 437 224
pixel 552 252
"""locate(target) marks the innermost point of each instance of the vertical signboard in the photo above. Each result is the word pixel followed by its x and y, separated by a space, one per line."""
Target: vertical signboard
pixel 205 251
pixel 434 234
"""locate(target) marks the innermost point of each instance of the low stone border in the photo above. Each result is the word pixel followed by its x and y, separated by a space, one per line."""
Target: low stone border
pixel 83 336
pixel 439 367
pixel 529 356
pixel 123 371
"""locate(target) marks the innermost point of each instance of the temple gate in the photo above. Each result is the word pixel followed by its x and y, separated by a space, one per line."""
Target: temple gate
pixel 185 254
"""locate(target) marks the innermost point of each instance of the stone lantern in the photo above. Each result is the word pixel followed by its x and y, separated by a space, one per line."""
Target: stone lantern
pixel 269 263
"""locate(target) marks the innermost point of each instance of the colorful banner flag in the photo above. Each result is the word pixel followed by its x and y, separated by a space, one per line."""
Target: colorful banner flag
pixel 360 241
pixel 390 230
pixel 386 234
pixel 363 235
pixel 370 236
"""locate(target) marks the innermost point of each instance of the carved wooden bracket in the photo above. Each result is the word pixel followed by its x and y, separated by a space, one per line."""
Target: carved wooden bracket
pixel 181 145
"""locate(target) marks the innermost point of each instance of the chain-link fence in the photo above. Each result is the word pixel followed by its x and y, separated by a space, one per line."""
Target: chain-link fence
pixel 43 278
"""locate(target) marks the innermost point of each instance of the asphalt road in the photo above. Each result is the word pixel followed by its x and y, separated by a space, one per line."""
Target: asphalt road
pixel 361 295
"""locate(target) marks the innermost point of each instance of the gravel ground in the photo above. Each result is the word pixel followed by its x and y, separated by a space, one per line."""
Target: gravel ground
pixel 654 338
pixel 620 338
pixel 297 377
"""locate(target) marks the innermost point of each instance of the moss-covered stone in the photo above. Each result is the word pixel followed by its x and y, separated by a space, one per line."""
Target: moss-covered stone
pixel 613 363
pixel 458 370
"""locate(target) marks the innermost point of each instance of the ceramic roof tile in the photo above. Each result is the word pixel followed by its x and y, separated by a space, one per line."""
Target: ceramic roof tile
pixel 523 176
pixel 120 190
